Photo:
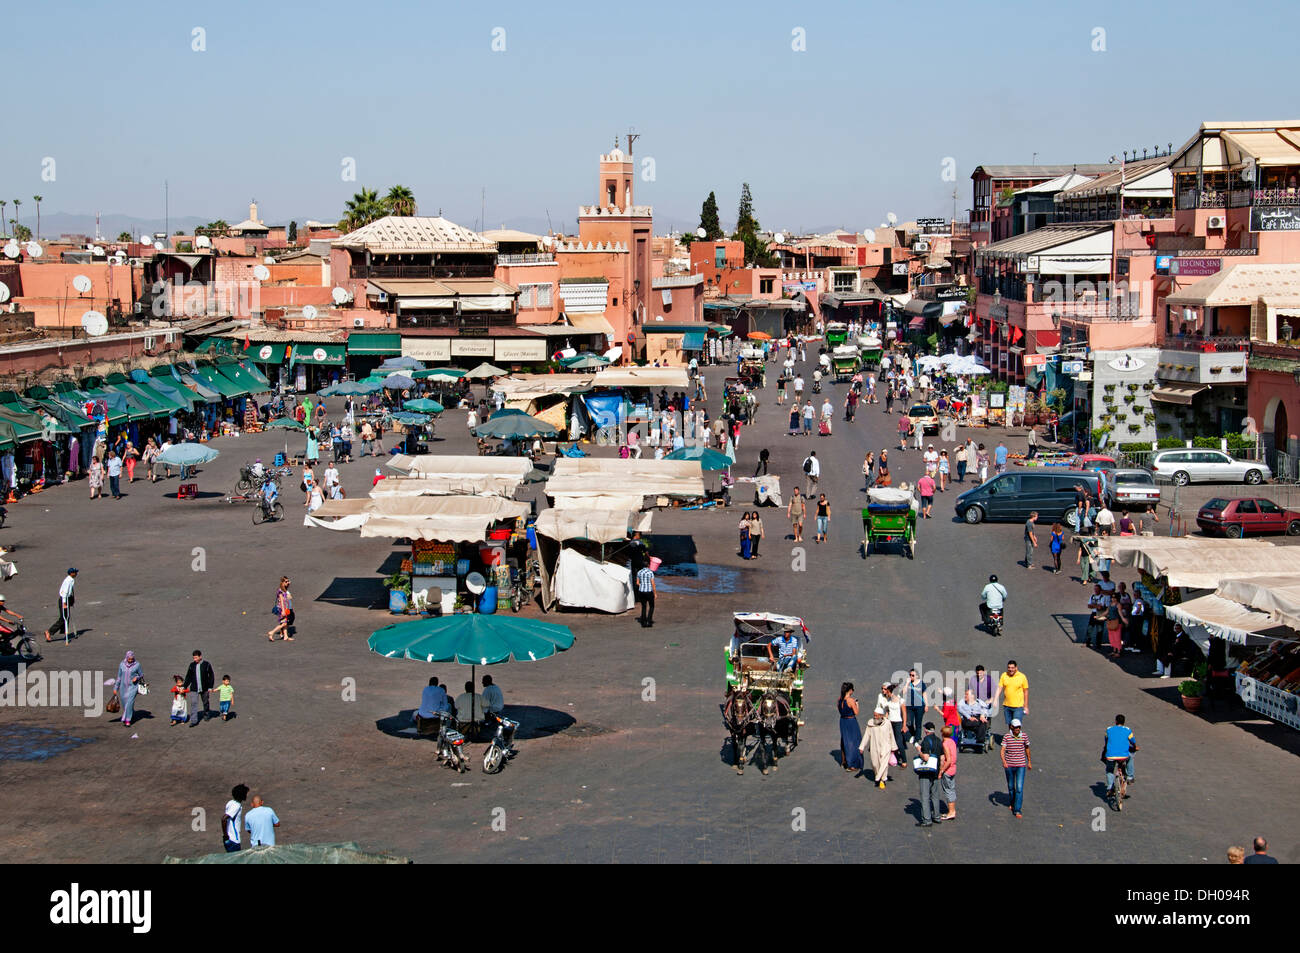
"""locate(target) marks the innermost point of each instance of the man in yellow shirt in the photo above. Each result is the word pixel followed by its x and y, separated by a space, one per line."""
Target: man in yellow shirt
pixel 1016 686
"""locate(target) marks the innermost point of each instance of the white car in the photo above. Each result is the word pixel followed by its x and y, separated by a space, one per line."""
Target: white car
pixel 1199 465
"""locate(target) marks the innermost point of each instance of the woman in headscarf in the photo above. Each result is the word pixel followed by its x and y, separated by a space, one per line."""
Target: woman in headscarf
pixel 878 744
pixel 129 677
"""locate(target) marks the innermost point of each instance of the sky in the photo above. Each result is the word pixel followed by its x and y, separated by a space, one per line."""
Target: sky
pixel 835 113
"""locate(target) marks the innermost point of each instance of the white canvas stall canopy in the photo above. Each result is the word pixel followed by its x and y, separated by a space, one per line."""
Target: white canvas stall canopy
pixel 581 466
pixel 1213 616
pixel 1196 563
pixel 467 485
pixel 767 489
pixel 532 386
pixel 586 477
pixel 416 516
pixel 655 377
pixel 599 526
pixel 1277 595
pixel 428 464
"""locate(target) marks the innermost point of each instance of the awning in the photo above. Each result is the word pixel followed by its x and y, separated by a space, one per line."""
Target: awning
pixel 591 323
pixel 249 383
pixel 604 526
pixel 1200 562
pixel 655 377
pixel 207 392
pixel 150 397
pixel 916 324
pixel 385 344
pixel 119 406
pixel 1221 618
pixel 266 353
pixel 331 354
pixel 1175 393
pixel 26 426
pixel 216 382
pixel 1277 595
pixel 169 396
pixel 220 345
pixel 693 341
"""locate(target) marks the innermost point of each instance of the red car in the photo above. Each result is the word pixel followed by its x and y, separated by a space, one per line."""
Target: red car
pixel 1250 514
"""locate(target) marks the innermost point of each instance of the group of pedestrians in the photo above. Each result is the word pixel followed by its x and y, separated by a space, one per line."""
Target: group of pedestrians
pixel 898 724
pixel 260 822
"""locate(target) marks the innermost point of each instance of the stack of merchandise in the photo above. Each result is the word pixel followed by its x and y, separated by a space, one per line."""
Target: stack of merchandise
pixel 433 557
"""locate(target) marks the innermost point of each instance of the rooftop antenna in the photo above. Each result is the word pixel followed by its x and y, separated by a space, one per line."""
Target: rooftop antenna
pixel 632 136
pixel 548 222
pixel 96 226
pixel 167 208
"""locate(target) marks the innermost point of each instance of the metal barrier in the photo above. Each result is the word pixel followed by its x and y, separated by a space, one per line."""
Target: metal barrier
pixel 1286 469
pixel 1135 459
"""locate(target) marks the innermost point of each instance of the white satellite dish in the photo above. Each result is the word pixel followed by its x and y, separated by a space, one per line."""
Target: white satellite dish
pixel 4 292
pixel 202 241
pixel 309 312
pixel 35 250
pixel 779 238
pixel 119 259
pixel 261 272
pixel 891 218
pixel 12 250
pixel 81 283
pixel 700 233
pixel 268 260
pixel 869 234
pixel 340 295
pixel 158 246
pixel 146 239
pixel 94 323
pixel 97 251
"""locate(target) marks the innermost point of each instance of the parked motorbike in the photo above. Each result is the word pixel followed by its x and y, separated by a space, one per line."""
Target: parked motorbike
pixel 451 745
pixel 16 641
pixel 502 748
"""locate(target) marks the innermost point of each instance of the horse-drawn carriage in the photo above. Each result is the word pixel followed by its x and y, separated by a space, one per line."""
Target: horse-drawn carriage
pixel 889 517
pixel 764 696
pixel 753 370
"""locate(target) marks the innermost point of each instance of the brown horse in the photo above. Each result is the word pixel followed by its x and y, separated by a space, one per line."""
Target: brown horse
pixel 737 716
pixel 773 722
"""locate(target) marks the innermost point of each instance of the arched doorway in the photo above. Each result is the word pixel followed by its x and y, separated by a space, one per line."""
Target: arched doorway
pixel 1281 428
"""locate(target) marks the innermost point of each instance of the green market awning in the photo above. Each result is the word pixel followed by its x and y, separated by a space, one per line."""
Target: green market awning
pixel 219 346
pixel 8 439
pixel 326 354
pixel 373 343
pixel 223 386
pixel 242 378
pixel 251 369
pixel 140 408
pixel 169 405
pixel 119 407
pixel 26 426
pixel 207 392
pixel 40 411
pixel 693 341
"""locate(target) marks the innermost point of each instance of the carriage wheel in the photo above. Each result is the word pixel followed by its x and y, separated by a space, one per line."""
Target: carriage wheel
pixel 911 548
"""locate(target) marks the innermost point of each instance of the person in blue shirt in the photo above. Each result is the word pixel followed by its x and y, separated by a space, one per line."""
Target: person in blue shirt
pixel 787 651
pixel 1000 457
pixel 270 493
pixel 1121 743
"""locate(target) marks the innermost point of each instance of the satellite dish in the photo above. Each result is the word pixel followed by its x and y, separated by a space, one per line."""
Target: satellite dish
pixel 146 239
pixel 700 233
pixel 119 259
pixel 891 218
pixel 94 323
pixel 202 241
pixel 34 250
pixel 268 260
pixel 779 238
pixel 4 292
pixel 340 295
pixel 97 250
pixel 869 234
pixel 81 283
pixel 309 312
pixel 12 250
pixel 261 272
pixel 158 246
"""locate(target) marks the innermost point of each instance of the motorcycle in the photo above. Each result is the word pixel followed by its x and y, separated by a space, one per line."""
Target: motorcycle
pixel 993 621
pixel 16 641
pixel 451 745
pixel 502 748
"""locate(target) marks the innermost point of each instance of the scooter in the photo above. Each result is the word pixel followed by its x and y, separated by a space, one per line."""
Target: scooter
pixel 16 641
pixel 451 745
pixel 993 621
pixel 502 748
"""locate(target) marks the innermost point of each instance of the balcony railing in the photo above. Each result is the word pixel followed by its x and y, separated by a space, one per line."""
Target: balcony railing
pixel 1100 311
pixel 1217 342
pixel 539 258
pixel 1236 198
pixel 1011 288
pixel 421 271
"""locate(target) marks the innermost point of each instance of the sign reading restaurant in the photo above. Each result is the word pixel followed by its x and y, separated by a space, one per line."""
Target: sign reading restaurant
pixel 1275 218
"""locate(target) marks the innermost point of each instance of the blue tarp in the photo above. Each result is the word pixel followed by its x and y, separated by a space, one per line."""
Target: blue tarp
pixel 606 409
pixel 693 341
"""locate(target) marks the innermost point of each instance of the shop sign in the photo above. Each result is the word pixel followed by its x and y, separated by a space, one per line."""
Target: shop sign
pixel 1072 368
pixel 507 350
pixel 472 348
pixel 1275 218
pixel 427 349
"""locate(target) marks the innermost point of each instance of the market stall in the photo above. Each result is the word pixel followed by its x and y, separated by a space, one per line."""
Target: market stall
pixel 1269 680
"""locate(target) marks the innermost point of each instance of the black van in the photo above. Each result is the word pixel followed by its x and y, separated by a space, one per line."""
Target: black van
pixel 1013 496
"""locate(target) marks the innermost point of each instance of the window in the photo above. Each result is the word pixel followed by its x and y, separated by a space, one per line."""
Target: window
pixel 535 295
pixel 720 256
pixel 1037 483
pixel 1268 506
pixel 545 295
pixel 844 280
pixel 1003 484
pixel 765 286
pixel 1247 506
pixel 527 296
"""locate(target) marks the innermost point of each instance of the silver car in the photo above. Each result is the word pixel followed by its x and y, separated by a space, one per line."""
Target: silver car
pixel 1198 465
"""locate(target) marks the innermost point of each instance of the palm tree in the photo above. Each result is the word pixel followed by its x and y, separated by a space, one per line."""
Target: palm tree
pixel 124 237
pixel 3 203
pixel 362 209
pixel 17 202
pixel 400 200
pixel 37 200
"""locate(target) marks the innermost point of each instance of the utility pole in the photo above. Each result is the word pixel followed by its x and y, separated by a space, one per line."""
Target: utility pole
pixel 632 136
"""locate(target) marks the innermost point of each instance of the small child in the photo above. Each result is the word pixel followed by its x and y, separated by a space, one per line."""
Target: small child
pixel 225 694
pixel 180 705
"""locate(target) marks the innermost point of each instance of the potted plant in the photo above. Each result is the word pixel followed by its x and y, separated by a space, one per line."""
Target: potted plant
pixel 399 591
pixel 1191 691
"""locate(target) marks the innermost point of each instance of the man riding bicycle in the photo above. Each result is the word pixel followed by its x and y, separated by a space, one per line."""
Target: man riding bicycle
pixel 1118 752
pixel 270 493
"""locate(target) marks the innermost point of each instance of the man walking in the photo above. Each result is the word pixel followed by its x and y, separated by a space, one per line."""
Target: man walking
pixel 261 823
pixel 796 512
pixel 1031 540
pixel 645 594
pixel 763 456
pixel 113 466
pixel 1016 761
pixel 813 468
pixel 914 700
pixel 200 679
pixel 927 766
pixel 1016 701
pixel 1000 457
pixel 809 413
pixel 1033 444
pixel 67 597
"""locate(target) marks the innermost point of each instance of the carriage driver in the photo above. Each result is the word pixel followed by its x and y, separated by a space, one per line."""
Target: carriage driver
pixel 787 651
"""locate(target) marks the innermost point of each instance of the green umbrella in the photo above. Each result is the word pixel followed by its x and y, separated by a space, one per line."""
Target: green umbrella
pixel 584 362
pixel 514 426
pixel 471 639
pixel 285 423
pixel 424 405
pixel 408 418
pixel 349 853
pixel 186 455
pixel 709 459
pixel 507 412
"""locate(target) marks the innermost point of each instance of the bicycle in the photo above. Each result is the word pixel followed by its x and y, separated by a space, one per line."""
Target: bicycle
pixel 1119 790
pixel 267 514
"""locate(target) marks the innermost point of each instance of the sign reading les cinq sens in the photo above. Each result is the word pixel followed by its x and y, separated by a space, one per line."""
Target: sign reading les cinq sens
pixel 1275 218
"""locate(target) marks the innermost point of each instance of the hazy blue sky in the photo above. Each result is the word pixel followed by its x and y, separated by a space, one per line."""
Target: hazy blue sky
pixel 856 125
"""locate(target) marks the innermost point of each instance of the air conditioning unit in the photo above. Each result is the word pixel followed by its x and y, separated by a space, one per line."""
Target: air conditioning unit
pixel 921 246
pixel 1215 221
pixel 358 322
pixel 149 344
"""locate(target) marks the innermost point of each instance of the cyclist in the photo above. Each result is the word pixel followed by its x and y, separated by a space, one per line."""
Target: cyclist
pixel 270 493
pixel 1118 751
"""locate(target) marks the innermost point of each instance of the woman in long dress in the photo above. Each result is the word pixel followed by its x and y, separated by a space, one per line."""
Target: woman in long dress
pixel 850 732
pixel 129 677
pixel 878 744
pixel 95 478
pixel 744 536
